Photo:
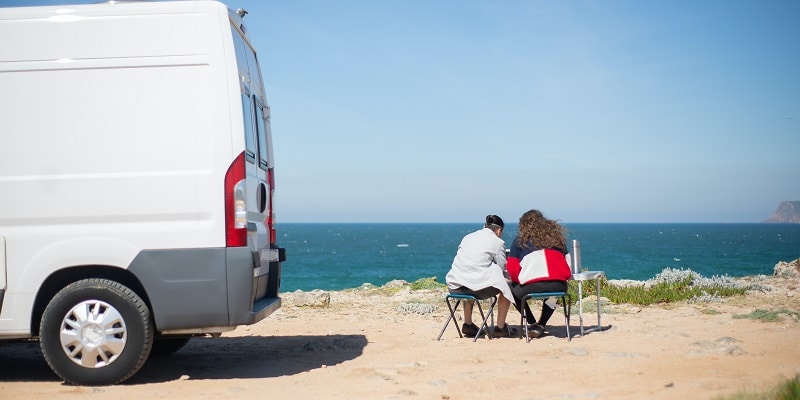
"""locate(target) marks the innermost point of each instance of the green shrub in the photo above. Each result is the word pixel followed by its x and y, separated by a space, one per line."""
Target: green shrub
pixel 426 284
pixel 669 286
pixel 788 389
pixel 768 315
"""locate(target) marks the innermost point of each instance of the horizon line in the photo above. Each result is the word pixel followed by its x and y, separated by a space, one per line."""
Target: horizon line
pixel 563 222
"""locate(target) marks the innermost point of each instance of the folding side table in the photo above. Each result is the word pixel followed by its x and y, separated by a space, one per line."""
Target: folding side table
pixel 583 276
pixel 580 278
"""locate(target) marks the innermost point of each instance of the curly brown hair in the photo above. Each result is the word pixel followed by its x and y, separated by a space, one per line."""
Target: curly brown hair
pixel 542 233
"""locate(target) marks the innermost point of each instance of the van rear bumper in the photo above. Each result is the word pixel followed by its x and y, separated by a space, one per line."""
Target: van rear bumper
pixel 206 290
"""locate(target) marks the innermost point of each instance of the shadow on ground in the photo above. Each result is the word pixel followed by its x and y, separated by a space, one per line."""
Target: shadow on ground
pixel 207 358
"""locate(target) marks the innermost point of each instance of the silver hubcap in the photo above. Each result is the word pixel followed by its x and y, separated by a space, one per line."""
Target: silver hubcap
pixel 93 334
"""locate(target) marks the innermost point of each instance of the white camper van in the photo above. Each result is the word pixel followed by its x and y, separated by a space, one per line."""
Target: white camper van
pixel 136 182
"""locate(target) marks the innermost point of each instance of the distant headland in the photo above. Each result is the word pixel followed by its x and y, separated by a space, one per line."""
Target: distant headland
pixel 787 212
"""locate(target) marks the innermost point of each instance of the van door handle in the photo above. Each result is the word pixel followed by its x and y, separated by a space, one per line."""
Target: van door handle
pixel 261 197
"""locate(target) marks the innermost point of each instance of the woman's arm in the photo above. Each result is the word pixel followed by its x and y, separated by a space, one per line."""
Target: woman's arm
pixel 514 257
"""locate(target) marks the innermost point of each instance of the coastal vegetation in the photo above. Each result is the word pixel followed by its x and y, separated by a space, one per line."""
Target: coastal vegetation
pixel 669 286
pixel 769 315
pixel 426 284
pixel 788 389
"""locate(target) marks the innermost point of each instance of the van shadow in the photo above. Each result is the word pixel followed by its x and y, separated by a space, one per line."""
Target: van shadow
pixel 207 358
pixel 23 361
pixel 251 357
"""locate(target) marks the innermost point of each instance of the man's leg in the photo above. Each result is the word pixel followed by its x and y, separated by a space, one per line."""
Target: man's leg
pixel 502 310
pixel 467 312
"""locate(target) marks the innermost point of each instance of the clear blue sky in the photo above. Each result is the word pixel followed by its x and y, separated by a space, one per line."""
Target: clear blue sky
pixel 591 111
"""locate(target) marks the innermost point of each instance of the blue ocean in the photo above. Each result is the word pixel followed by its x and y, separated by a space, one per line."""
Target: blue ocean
pixel 340 256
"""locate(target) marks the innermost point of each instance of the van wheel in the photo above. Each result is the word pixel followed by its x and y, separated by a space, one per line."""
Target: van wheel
pixel 96 332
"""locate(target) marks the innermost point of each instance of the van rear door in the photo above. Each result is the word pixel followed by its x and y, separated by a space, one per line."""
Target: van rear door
pixel 259 168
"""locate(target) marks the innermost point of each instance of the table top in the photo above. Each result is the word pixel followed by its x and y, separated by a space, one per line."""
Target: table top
pixel 586 275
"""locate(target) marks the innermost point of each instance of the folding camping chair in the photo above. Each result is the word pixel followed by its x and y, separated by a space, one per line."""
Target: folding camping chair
pixel 458 298
pixel 566 302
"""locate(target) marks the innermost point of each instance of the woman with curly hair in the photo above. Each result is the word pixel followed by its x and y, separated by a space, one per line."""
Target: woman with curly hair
pixel 537 263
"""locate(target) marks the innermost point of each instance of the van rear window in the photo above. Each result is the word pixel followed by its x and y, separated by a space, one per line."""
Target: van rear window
pixel 247 119
pixel 261 134
pixel 247 63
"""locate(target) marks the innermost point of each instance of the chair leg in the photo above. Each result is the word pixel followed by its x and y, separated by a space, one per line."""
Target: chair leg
pixel 454 309
pixel 523 320
pixel 480 310
pixel 523 327
pixel 484 327
pixel 451 317
pixel 566 301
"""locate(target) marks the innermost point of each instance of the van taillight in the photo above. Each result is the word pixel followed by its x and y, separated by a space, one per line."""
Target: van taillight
pixel 235 207
pixel 273 235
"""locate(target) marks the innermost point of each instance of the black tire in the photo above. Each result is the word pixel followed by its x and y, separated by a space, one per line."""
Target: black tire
pixel 96 332
pixel 166 345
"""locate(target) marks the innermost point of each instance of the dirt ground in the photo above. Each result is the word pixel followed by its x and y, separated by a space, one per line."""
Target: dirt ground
pixel 365 345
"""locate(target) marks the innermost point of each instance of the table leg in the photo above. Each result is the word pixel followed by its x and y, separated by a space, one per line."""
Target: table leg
pixel 580 304
pixel 597 281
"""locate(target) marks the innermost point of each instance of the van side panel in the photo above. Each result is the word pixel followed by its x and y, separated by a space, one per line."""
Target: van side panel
pixel 91 153
pixel 125 143
pixel 187 287
pixel 2 269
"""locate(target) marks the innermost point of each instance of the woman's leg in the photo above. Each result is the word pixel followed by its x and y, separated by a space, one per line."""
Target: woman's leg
pixel 547 312
pixel 519 291
pixel 548 309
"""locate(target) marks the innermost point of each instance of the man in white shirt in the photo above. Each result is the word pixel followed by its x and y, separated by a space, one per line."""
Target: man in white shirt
pixel 478 270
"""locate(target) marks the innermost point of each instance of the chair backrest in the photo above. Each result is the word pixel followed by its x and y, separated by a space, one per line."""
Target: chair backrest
pixel 576 257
